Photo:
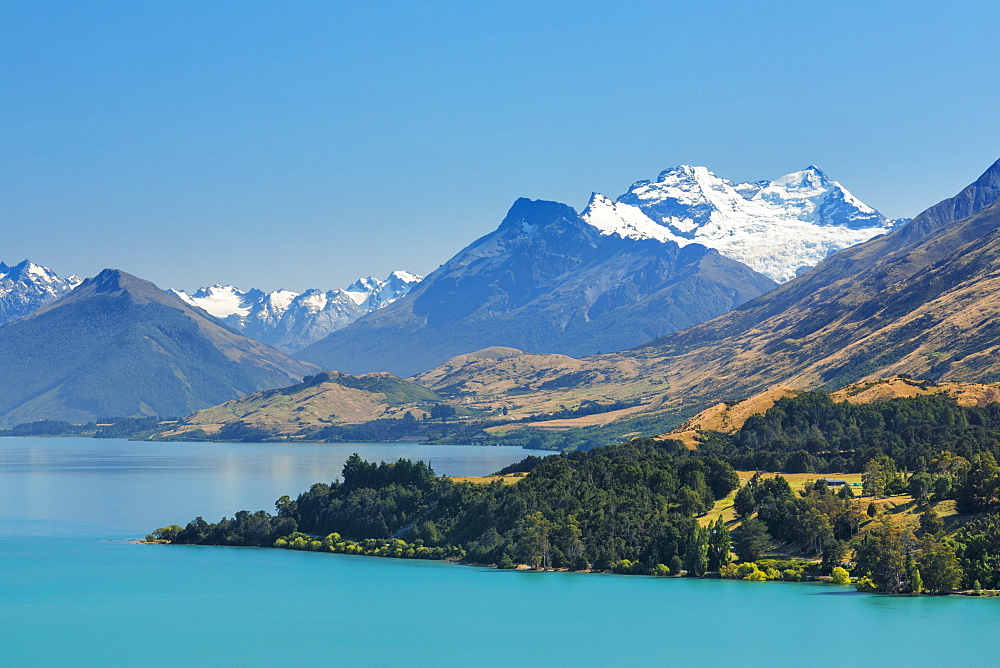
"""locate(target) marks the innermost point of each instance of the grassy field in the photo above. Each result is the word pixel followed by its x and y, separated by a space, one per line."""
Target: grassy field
pixel 508 479
pixel 900 509
pixel 798 481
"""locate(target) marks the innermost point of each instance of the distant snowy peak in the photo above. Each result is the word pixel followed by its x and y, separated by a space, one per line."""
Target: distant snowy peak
pixel 371 293
pixel 26 287
pixel 778 228
pixel 27 271
pixel 219 300
pixel 289 320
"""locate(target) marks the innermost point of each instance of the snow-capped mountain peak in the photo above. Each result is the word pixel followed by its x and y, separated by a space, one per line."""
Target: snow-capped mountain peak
pixel 370 293
pixel 28 271
pixel 290 320
pixel 404 277
pixel 778 227
pixel 26 287
pixel 219 300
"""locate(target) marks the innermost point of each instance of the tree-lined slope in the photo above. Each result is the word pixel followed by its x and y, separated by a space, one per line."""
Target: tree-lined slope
pixel 729 417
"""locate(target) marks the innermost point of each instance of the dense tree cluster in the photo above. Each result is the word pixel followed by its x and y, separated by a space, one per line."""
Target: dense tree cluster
pixel 894 561
pixel 819 521
pixel 370 547
pixel 812 433
pixel 631 503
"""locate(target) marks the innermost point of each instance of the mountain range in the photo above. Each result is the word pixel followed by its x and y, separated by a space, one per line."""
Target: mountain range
pixel 779 228
pixel 283 319
pixel 26 287
pixel 920 300
pixel 290 320
pixel 117 345
pixel 665 256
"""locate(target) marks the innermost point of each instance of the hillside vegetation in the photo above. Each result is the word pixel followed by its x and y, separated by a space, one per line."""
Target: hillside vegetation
pixel 729 417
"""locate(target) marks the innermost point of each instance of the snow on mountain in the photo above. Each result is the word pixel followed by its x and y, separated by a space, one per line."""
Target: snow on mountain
pixel 220 301
pixel 779 228
pixel 289 320
pixel 26 287
pixel 370 293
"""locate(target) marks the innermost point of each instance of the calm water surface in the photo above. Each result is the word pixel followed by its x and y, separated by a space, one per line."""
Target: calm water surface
pixel 72 591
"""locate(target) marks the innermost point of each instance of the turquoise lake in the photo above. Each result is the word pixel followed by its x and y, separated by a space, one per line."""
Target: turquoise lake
pixel 73 591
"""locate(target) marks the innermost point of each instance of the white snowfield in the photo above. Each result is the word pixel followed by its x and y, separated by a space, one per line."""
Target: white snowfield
pixel 291 320
pixel 219 300
pixel 778 228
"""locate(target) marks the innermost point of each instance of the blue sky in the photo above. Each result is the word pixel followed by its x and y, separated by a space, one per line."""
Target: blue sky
pixel 302 144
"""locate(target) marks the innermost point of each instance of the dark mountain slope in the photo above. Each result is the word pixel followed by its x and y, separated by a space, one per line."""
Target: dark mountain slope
pixel 544 281
pixel 118 345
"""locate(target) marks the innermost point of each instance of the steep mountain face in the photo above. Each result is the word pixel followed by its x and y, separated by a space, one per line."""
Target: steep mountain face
pixel 26 287
pixel 778 228
pixel 920 301
pixel 546 280
pixel 118 346
pixel 289 320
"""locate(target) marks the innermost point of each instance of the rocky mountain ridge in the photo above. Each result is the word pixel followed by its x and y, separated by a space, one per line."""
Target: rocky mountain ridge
pixel 290 320
pixel 919 301
pixel 26 287
pixel 779 228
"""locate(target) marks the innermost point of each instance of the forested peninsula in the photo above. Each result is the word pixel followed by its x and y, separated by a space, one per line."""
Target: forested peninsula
pixel 924 519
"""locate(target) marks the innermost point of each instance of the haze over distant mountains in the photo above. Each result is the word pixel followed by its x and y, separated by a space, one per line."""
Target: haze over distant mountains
pixel 117 345
pixel 290 320
pixel 283 319
pixel 665 256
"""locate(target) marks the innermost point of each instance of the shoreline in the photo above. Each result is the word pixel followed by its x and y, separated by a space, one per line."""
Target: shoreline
pixel 713 575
